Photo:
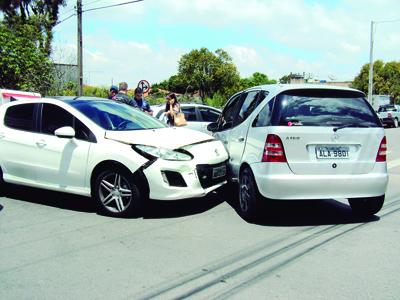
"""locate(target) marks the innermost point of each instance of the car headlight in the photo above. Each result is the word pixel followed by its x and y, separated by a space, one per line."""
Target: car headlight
pixel 151 152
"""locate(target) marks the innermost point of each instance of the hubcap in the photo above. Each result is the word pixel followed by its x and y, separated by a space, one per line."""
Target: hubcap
pixel 245 195
pixel 115 193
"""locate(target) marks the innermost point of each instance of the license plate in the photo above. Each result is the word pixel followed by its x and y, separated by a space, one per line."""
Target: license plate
pixel 326 152
pixel 219 172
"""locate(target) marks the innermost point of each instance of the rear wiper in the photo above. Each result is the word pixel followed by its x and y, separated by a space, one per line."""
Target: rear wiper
pixel 350 125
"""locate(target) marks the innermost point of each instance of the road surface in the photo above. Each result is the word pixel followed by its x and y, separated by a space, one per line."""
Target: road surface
pixel 54 245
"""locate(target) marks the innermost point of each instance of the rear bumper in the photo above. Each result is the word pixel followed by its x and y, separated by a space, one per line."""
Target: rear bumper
pixel 276 181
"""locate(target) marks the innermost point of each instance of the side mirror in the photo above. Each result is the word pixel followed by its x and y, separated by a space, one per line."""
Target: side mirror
pixel 213 127
pixel 66 132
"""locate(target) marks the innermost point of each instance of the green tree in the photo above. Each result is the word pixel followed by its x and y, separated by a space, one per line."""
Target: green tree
pixel 386 79
pixel 42 14
pixel 256 79
pixel 208 72
pixel 22 64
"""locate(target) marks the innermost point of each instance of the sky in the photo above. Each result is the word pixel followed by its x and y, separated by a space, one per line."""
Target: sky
pixel 326 40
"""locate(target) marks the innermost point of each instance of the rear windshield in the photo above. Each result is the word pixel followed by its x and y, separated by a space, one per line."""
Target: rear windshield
pixel 313 107
pixel 386 108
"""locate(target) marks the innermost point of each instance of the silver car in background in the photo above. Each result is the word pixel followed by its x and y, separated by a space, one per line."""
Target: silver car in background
pixel 198 116
pixel 292 142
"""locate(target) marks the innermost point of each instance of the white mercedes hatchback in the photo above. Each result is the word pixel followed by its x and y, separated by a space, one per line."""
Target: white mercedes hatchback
pixel 107 150
pixel 304 142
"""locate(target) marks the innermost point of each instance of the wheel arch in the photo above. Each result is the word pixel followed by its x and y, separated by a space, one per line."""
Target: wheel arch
pixel 138 176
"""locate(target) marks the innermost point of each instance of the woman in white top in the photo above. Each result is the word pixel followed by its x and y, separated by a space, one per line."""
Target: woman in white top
pixel 172 108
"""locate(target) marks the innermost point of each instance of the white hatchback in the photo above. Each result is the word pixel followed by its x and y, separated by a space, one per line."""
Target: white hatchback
pixel 304 142
pixel 107 150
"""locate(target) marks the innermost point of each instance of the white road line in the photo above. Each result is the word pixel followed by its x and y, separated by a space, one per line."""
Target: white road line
pixel 393 164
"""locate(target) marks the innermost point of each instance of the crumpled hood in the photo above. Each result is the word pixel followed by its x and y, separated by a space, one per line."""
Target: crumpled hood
pixel 169 138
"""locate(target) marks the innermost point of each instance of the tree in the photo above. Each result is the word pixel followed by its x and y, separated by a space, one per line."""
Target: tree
pixel 386 79
pixel 22 64
pixel 42 14
pixel 208 72
pixel 256 79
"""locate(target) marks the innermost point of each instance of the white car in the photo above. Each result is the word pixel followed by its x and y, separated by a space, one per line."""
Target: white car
pixel 198 116
pixel 107 150
pixel 304 142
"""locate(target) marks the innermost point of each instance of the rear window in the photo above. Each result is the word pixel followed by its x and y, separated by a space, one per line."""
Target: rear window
pixel 324 108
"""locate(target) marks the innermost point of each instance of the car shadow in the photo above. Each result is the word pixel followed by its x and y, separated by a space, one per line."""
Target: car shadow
pixel 286 213
pixel 49 198
pixel 157 209
pixel 154 209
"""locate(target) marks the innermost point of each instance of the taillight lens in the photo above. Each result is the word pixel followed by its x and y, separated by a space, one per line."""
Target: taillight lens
pixel 273 149
pixel 381 156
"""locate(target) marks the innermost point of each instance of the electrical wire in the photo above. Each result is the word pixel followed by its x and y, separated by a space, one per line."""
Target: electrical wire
pixel 70 16
pixel 113 5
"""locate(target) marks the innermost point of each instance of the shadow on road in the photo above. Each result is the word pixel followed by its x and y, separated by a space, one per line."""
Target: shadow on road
pixel 180 208
pixel 49 198
pixel 306 213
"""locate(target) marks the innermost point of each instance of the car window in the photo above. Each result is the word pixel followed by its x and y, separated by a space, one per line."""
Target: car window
pixel 190 114
pixel 264 117
pixel 324 108
pixel 250 102
pixel 54 117
pixel 20 117
pixel 229 112
pixel 159 113
pixel 111 115
pixel 208 114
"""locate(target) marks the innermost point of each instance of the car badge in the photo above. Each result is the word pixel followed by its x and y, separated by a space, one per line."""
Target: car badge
pixel 335 137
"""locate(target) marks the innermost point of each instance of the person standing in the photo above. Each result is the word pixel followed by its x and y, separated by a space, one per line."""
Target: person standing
pixel 113 92
pixel 172 108
pixel 141 101
pixel 122 95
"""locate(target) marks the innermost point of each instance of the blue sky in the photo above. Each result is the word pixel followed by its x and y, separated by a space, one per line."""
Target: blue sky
pixel 326 39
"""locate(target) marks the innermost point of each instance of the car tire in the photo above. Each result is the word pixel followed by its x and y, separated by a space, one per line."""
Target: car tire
pixel 249 196
pixel 2 183
pixel 116 194
pixel 396 123
pixel 366 207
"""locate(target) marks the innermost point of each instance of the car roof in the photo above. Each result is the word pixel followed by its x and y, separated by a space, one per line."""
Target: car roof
pixel 279 88
pixel 70 98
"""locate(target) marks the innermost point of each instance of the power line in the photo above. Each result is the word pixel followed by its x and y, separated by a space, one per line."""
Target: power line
pixel 70 16
pixel 108 6
pixel 92 2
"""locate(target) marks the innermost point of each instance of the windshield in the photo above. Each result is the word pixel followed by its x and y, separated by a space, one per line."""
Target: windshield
pixel 114 116
pixel 327 108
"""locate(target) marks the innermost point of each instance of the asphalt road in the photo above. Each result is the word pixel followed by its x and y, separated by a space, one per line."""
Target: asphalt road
pixel 55 246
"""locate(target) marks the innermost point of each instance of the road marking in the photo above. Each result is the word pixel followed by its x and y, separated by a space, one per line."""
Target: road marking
pixel 393 164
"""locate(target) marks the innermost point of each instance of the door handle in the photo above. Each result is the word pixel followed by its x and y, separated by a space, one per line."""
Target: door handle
pixel 241 139
pixel 41 143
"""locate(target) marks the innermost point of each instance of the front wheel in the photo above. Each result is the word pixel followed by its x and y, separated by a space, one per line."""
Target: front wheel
pixel 366 207
pixel 249 197
pixel 116 194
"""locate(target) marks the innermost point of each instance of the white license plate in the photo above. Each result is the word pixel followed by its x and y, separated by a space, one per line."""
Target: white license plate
pixel 219 172
pixel 327 152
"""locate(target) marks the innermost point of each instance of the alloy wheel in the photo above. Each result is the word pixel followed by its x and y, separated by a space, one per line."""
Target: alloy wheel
pixel 245 193
pixel 115 192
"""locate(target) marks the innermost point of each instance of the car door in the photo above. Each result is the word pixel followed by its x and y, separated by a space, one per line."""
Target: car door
pixel 17 145
pixel 238 134
pixel 207 115
pixel 225 122
pixel 191 117
pixel 62 162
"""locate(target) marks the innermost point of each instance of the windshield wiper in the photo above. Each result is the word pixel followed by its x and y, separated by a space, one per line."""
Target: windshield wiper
pixel 350 125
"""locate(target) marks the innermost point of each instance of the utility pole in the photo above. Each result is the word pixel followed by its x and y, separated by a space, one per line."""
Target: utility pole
pixel 80 71
pixel 371 65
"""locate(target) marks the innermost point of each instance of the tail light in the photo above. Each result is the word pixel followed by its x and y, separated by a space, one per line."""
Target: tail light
pixel 273 149
pixel 381 156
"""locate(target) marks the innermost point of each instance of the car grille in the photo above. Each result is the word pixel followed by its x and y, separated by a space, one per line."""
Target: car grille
pixel 205 174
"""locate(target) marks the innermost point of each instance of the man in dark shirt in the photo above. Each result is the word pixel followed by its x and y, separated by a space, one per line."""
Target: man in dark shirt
pixel 122 95
pixel 141 102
